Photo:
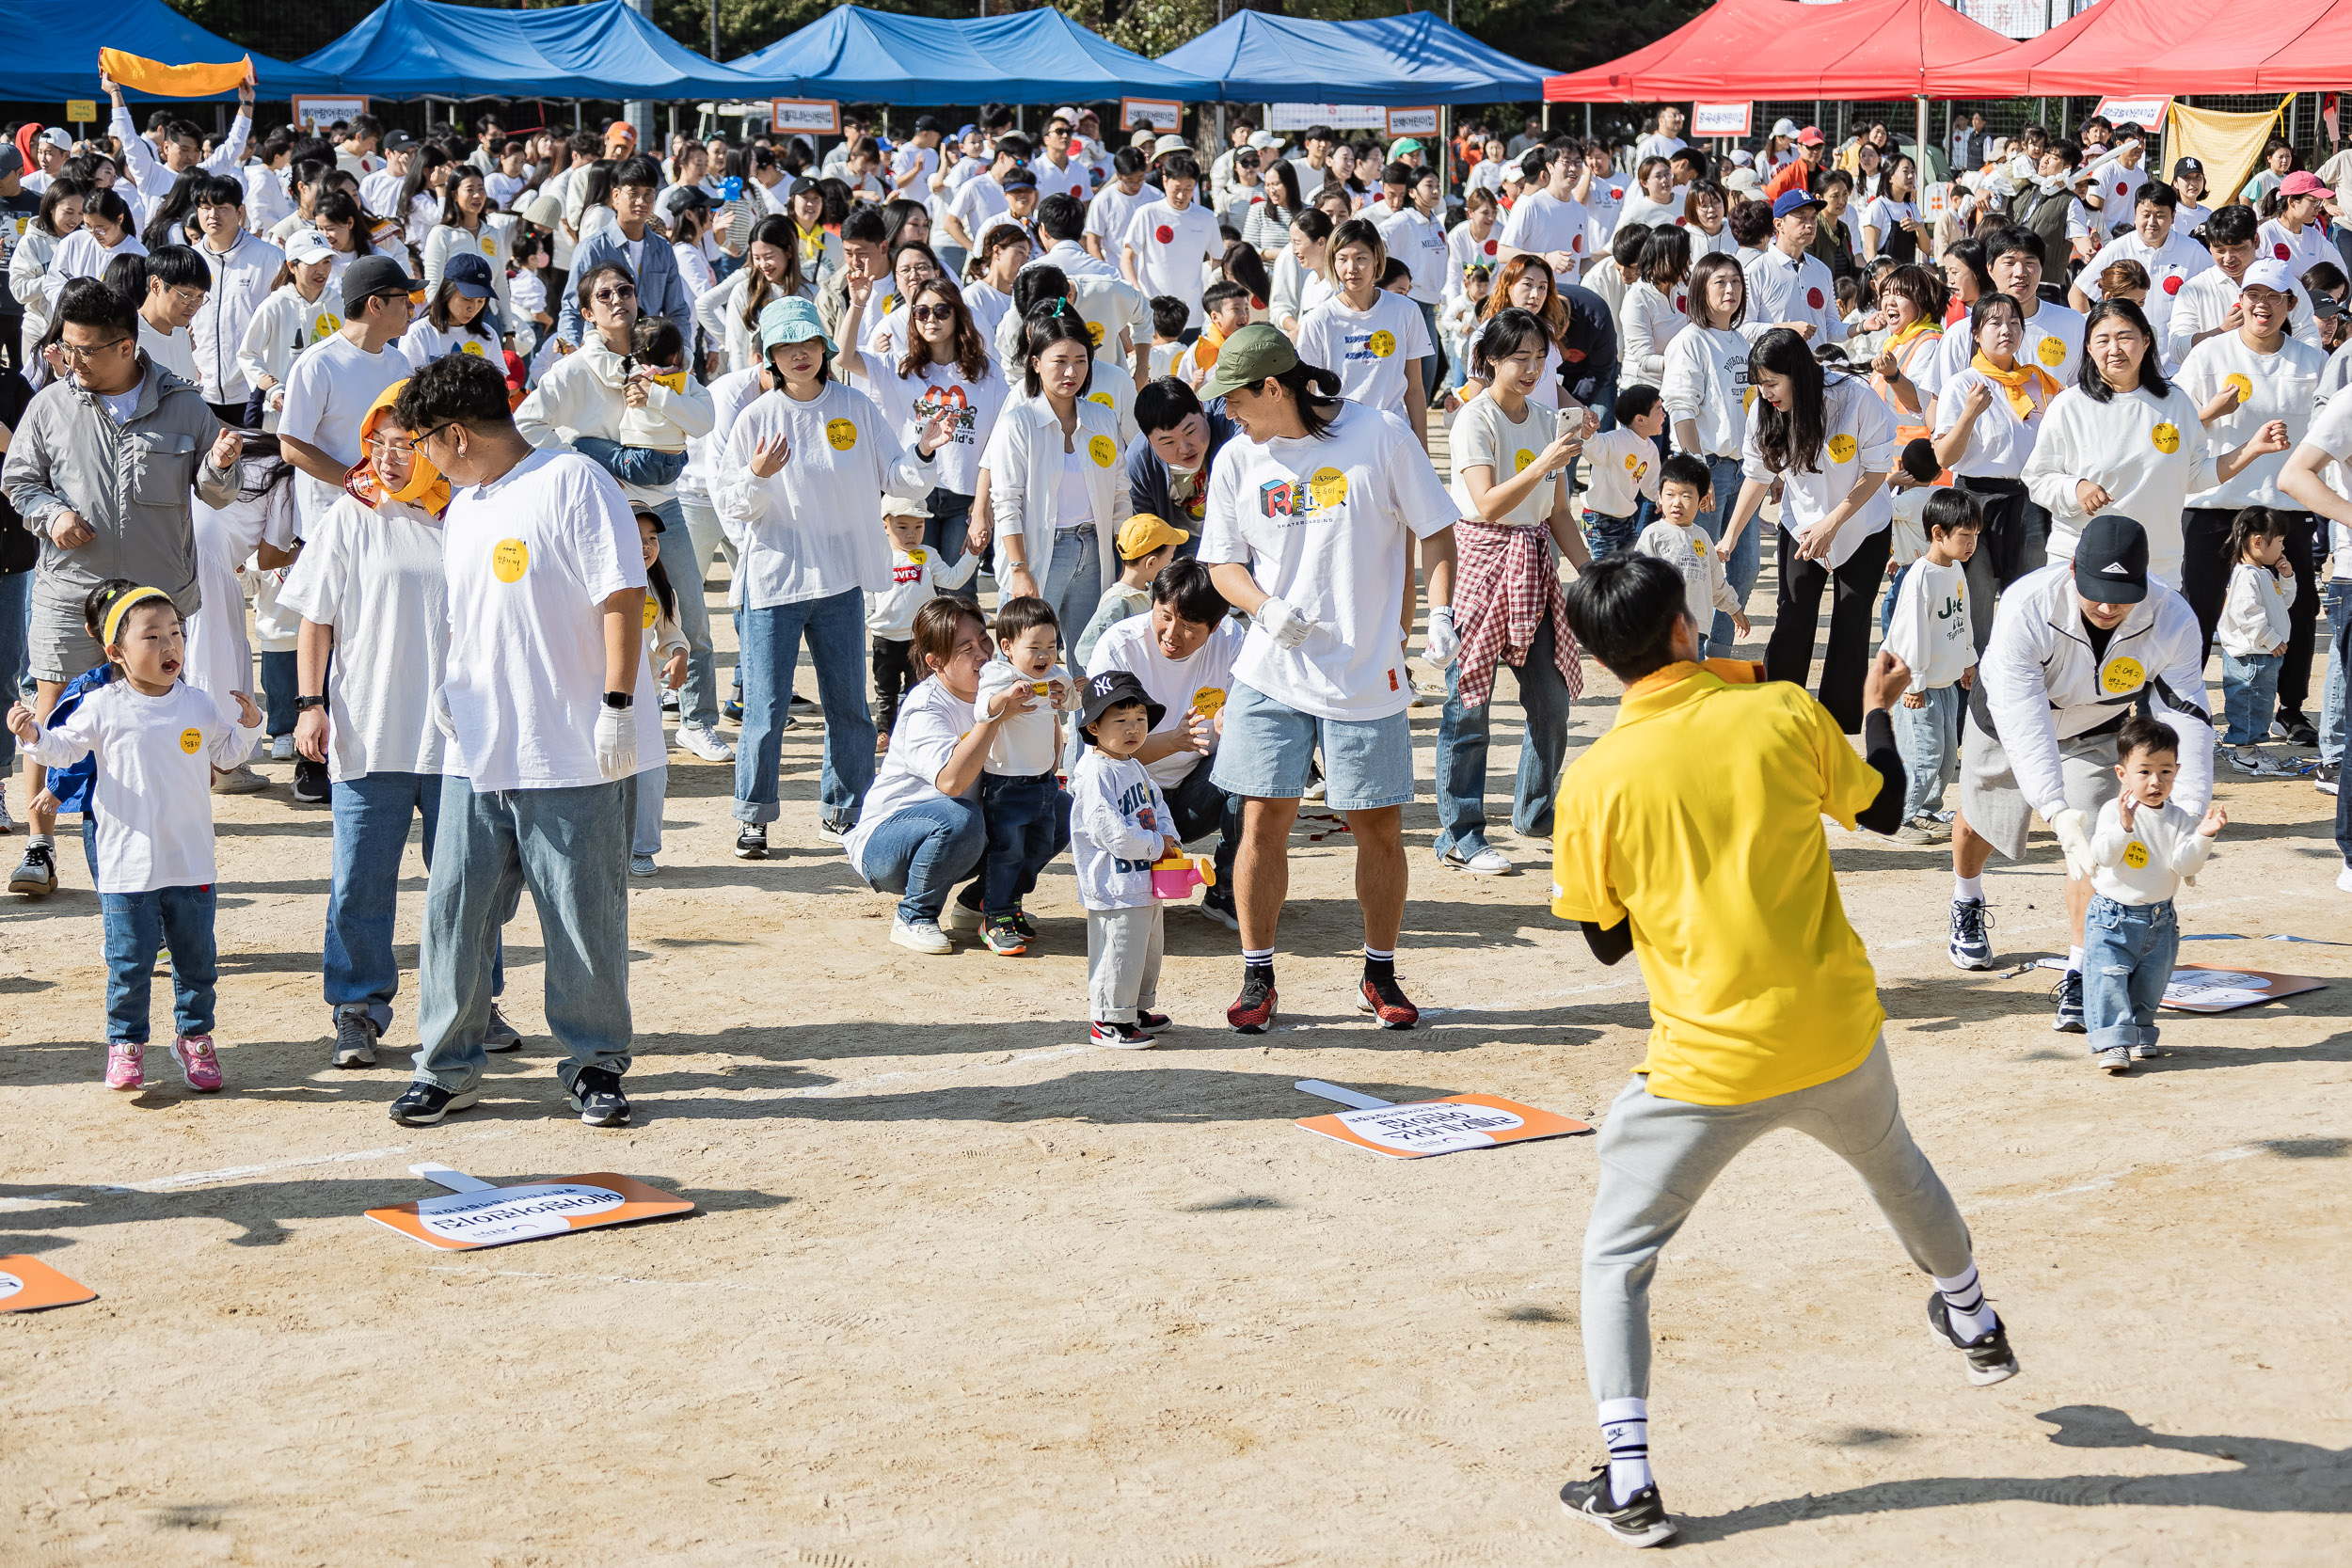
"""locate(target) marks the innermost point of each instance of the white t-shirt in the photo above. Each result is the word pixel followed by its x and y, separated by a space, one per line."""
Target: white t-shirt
pixel 1111 210
pixel 975 203
pixel 1323 525
pixel 976 405
pixel 375 577
pixel 424 342
pixel 173 351
pixel 1118 825
pixel 1999 442
pixel 154 799
pixel 1485 436
pixel 218 656
pixel 2300 253
pixel 1860 438
pixel 1639 207
pixel 931 722
pixel 1542 222
pixel 2281 386
pixel 1367 349
pixel 1170 248
pixel 531 557
pixel 1027 743
pixel 1781 289
pixel 2169 267
pixel 1887 215
pixel 1705 587
pixel 916 576
pixel 2171 849
pixel 1419 241
pixel 1201 682
pixel 328 392
pixel 1931 632
pixel 1623 469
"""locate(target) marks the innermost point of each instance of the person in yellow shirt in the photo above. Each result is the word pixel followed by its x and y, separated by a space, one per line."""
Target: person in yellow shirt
pixel 1690 835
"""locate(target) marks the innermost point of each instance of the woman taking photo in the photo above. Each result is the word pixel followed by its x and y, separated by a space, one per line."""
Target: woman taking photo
pixel 1706 392
pixel 1827 441
pixel 1987 419
pixel 2127 443
pixel 1056 475
pixel 730 315
pixel 1652 314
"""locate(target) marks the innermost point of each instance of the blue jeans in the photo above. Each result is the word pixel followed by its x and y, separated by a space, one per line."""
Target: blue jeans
pixel 137 927
pixel 1887 604
pixel 1072 580
pixel 835 629
pixel 2337 605
pixel 1605 535
pixel 2249 696
pixel 1747 557
pixel 2127 961
pixel 1027 821
pixel 652 788
pixel 1461 760
pixel 946 531
pixel 632 465
pixel 1199 808
pixel 371 814
pixel 922 852
pixel 567 846
pixel 16 667
pixel 1928 739
pixel 280 686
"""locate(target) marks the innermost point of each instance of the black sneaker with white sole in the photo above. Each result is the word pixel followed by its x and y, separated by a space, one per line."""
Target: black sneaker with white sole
pixel 752 843
pixel 1990 1359
pixel 424 1103
pixel 596 1094
pixel 2324 777
pixel 354 1037
pixel 1640 1521
pixel 2068 995
pixel 36 875
pixel 1972 934
pixel 835 829
pixel 1151 1023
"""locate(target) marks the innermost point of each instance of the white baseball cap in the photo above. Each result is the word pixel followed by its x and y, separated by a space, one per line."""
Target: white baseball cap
pixel 1067 114
pixel 1169 143
pixel 1783 128
pixel 308 245
pixel 60 137
pixel 2269 273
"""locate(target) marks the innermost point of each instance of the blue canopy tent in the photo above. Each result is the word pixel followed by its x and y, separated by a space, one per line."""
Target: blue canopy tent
pixel 60 44
pixel 423 48
pixel 1257 58
pixel 860 55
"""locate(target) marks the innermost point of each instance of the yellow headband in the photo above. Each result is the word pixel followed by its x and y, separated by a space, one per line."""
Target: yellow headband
pixel 121 606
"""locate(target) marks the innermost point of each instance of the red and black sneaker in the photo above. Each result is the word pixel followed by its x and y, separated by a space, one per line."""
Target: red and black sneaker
pixel 1385 1000
pixel 1151 1023
pixel 1253 1011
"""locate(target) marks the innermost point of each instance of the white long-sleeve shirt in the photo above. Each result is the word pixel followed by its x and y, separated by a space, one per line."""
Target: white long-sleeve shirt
pixel 1624 470
pixel 152 176
pixel 2149 454
pixel 583 394
pixel 1648 320
pixel 2205 300
pixel 2254 613
pixel 1704 588
pixel 1706 381
pixel 1119 826
pixel 916 576
pixel 813 529
pixel 2169 848
pixel 1858 437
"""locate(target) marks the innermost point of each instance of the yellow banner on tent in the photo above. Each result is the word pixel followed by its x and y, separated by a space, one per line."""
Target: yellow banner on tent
pixel 2226 145
pixel 138 75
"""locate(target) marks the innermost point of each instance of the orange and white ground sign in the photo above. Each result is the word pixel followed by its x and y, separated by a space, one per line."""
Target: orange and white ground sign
pixel 1418 1128
pixel 28 1285
pixel 475 1213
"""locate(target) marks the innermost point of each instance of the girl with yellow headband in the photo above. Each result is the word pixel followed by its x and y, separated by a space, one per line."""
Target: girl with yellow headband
pixel 155 741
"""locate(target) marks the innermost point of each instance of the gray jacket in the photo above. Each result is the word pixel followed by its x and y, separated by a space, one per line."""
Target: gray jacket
pixel 130 481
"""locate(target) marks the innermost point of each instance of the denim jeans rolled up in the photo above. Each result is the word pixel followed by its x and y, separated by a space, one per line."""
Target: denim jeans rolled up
pixel 569 848
pixel 1072 580
pixel 1927 739
pixel 1747 559
pixel 644 465
pixel 371 813
pixel 137 927
pixel 2128 951
pixel 1026 818
pixel 1606 536
pixel 835 627
pixel 1463 736
pixel 2249 696
pixel 922 851
pixel 2336 607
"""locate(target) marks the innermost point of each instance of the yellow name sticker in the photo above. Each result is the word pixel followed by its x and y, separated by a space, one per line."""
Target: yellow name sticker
pixel 841 434
pixel 653 609
pixel 1207 700
pixel 2245 386
pixel 1094 333
pixel 1842 448
pixel 2167 437
pixel 1520 462
pixel 2051 351
pixel 1329 486
pixel 191 741
pixel 1102 398
pixel 2121 674
pixel 1103 451
pixel 916 556
pixel 2135 856
pixel 325 325
pixel 473 346
pixel 510 561
pixel 1382 344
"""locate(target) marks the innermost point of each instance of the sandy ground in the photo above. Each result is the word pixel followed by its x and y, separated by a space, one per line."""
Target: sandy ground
pixel 962 1289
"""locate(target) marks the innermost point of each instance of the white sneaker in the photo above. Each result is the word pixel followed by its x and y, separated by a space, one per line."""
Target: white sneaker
pixel 281 749
pixel 2343 879
pixel 1488 861
pixel 2116 1059
pixel 959 918
pixel 240 780
pixel 706 744
pixel 921 936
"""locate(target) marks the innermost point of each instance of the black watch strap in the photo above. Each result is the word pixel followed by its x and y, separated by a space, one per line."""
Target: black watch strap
pixel 619 700
pixel 303 705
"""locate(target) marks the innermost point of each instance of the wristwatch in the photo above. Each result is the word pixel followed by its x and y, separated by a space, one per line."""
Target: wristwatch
pixel 619 700
pixel 303 705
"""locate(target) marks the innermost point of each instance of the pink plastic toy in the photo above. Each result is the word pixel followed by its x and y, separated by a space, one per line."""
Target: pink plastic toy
pixel 1177 876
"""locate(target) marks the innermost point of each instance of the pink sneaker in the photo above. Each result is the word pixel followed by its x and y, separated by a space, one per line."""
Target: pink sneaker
pixel 125 1068
pixel 194 1052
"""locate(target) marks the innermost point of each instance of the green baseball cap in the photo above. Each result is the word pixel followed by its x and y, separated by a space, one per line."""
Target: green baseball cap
pixel 1402 145
pixel 1248 356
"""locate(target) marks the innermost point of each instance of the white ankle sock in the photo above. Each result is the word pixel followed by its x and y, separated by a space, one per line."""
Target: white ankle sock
pixel 1625 1427
pixel 2074 959
pixel 1964 1303
pixel 1965 889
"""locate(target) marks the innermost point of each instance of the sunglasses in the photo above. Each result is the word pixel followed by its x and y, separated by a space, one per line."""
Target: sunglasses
pixel 933 313
pixel 615 294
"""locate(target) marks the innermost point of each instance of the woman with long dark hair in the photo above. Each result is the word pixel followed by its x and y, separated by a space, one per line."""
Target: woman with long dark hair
pixel 1270 220
pixel 730 315
pixel 28 268
pixel 1828 441
pixel 1057 481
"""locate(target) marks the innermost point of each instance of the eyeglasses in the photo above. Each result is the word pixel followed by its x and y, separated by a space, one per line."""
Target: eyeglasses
pixel 83 351
pixel 386 447
pixel 617 294
pixel 933 313
pixel 424 435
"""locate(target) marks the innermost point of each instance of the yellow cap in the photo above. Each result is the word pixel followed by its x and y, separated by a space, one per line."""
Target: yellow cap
pixel 1142 533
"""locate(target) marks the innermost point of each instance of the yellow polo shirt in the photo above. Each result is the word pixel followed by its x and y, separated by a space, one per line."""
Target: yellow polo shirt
pixel 1698 814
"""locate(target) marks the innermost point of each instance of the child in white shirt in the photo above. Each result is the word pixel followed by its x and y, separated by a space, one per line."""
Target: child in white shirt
pixel 156 740
pixel 1168 318
pixel 2254 627
pixel 917 576
pixel 1623 472
pixel 2141 848
pixel 1458 318
pixel 1914 477
pixel 1932 634
pixel 1119 823
pixel 1025 808
pixel 1675 538
pixel 650 449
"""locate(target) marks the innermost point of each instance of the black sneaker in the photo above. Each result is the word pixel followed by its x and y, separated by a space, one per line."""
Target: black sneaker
pixel 833 830
pixel 2324 777
pixel 1990 1359
pixel 596 1094
pixel 36 875
pixel 733 711
pixel 2298 729
pixel 310 781
pixel 1640 1522
pixel 1120 1036
pixel 1023 924
pixel 752 843
pixel 499 1035
pixel 354 1037
pixel 424 1103
pixel 1218 904
pixel 2068 995
pixel 1972 934
pixel 1253 1009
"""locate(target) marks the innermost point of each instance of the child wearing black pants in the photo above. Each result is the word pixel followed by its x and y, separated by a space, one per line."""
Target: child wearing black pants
pixel 916 576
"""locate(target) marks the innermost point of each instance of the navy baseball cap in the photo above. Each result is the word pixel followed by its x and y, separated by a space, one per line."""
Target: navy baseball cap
pixel 1792 201
pixel 468 275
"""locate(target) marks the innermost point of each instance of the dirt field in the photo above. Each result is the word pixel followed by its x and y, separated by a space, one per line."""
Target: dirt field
pixel 965 1289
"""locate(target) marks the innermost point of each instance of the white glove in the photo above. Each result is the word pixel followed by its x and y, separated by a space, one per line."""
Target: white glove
pixel 1442 642
pixel 616 743
pixel 441 720
pixel 2074 835
pixel 1283 624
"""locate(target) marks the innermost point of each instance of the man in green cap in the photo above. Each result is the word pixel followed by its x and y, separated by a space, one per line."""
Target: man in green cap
pixel 1305 533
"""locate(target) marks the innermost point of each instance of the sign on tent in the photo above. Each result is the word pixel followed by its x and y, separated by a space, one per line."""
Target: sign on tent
pixel 2143 111
pixel 315 112
pixel 1340 117
pixel 1721 120
pixel 1159 114
pixel 1413 122
pixel 810 115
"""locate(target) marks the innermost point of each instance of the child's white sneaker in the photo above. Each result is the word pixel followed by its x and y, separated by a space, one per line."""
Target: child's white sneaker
pixel 1122 1037
pixel 2116 1059
pixel 707 744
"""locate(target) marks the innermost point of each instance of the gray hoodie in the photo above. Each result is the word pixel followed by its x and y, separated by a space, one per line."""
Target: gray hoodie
pixel 130 481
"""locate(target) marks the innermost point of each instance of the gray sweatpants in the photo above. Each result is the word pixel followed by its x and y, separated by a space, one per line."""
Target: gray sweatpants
pixel 1659 1156
pixel 1123 961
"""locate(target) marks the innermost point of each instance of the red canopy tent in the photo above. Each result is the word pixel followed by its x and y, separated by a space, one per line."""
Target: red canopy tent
pixel 2286 46
pixel 2106 51
pixel 1735 49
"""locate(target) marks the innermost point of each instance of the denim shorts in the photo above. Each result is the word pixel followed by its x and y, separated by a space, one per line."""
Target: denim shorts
pixel 1268 749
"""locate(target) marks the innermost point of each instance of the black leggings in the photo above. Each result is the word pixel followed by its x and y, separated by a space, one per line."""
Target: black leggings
pixel 2015 541
pixel 2205 584
pixel 894 677
pixel 1788 655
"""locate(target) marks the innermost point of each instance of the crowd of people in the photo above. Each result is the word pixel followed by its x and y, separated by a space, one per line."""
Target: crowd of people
pixel 1096 481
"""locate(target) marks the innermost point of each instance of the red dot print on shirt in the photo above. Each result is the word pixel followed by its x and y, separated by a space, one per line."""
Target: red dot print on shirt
pixel 1163 233
pixel 1490 248
pixel 2121 188
pixel 2172 285
pixel 1682 303
pixel 1682 223
pixel 1577 244
pixel 1616 193
pixel 1813 298
pixel 2280 251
